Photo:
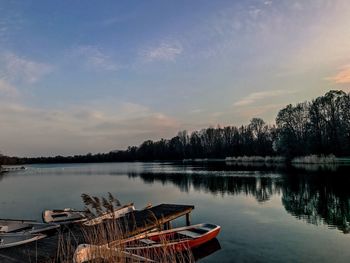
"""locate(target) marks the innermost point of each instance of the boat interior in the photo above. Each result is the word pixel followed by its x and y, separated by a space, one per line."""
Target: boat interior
pixel 189 233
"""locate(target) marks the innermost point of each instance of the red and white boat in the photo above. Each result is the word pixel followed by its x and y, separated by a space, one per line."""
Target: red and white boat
pixel 177 239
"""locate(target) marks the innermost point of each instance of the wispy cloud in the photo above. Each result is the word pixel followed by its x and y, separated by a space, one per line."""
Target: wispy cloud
pixel 342 77
pixel 195 111
pixel 268 111
pixel 120 18
pixel 10 22
pixel 261 95
pixel 297 5
pixel 3 30
pixel 16 71
pixel 79 129
pixel 255 12
pixel 19 68
pixel 95 58
pixel 7 89
pixel 327 41
pixel 226 29
pixel 166 51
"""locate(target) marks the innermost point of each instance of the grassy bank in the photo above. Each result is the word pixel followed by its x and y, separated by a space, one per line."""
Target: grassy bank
pixel 309 159
pixel 256 159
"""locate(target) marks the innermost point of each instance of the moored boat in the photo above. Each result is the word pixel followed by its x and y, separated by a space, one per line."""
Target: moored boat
pixel 178 238
pixel 25 227
pixel 117 213
pixel 70 216
pixel 17 239
pixel 64 216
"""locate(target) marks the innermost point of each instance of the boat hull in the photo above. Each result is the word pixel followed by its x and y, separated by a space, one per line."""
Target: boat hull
pixel 200 241
pixel 117 213
pixel 71 216
pixel 8 226
pixel 65 216
pixel 14 240
pixel 163 240
pixel 151 244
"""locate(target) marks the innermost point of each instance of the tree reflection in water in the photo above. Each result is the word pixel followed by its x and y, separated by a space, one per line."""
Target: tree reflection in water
pixel 319 197
pixel 316 196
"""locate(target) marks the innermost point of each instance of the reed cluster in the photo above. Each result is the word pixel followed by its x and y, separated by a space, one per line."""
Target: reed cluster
pixel 315 159
pixel 256 159
pixel 106 241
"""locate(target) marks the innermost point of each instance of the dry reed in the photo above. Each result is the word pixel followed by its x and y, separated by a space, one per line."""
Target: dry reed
pixel 107 239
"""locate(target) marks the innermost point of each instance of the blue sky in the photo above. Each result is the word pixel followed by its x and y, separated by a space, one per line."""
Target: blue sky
pixel 94 76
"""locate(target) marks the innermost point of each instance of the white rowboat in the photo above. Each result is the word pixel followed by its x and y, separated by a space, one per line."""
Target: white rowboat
pixel 69 216
pixel 25 227
pixel 117 213
pixel 64 216
pixel 15 239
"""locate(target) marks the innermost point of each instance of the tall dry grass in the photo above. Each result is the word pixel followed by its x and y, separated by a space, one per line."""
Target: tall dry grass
pixel 108 239
pixel 256 159
pixel 315 159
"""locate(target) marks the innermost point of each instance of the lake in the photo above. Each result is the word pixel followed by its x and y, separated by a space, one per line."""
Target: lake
pixel 267 214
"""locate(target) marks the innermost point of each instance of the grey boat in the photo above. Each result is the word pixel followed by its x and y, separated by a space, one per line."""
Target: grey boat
pixel 8 226
pixel 17 239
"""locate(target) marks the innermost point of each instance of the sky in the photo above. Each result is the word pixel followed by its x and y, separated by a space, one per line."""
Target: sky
pixel 96 76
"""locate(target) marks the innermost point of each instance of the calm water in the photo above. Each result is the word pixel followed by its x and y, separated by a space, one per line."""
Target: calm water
pixel 267 215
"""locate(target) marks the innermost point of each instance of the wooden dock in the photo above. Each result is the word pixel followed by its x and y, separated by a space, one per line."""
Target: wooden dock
pixel 136 222
pixel 161 215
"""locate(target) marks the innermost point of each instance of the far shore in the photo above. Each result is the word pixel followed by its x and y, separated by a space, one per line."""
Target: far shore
pixel 253 160
pixel 310 159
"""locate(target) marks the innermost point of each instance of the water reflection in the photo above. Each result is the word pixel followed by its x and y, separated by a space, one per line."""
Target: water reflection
pixel 262 188
pixel 206 249
pixel 323 197
pixel 316 196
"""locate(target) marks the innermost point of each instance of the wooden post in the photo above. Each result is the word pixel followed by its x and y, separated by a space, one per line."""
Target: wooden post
pixel 166 226
pixel 188 219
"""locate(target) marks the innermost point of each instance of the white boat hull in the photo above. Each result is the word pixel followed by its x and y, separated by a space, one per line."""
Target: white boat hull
pixel 25 227
pixel 119 212
pixel 15 239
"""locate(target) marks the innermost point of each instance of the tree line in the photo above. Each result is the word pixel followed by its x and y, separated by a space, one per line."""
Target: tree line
pixel 320 126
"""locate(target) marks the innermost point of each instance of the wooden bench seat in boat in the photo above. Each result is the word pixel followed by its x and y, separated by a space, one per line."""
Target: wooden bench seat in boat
pixel 207 229
pixel 147 241
pixel 188 233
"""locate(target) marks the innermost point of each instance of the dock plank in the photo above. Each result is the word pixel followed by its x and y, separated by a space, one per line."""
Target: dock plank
pixel 144 220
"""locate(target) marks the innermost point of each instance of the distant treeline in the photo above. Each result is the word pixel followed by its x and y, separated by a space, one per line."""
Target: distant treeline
pixel 321 126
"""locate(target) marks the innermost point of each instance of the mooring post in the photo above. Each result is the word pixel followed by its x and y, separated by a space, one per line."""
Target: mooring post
pixel 188 219
pixel 167 226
